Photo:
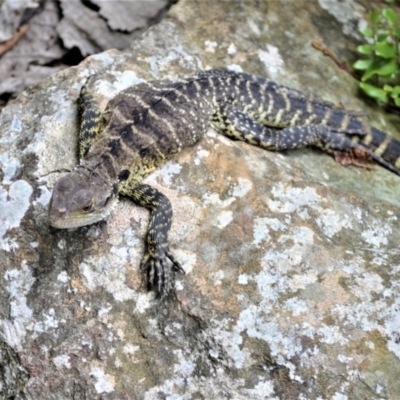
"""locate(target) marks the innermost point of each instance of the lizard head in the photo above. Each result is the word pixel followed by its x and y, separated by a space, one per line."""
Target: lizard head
pixel 81 198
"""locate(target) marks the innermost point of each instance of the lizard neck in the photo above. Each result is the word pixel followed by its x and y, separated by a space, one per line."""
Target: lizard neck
pixel 104 167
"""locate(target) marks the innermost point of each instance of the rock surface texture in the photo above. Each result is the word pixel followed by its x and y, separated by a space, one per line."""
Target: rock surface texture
pixel 292 288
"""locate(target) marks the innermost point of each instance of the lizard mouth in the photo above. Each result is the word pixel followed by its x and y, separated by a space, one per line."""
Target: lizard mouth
pixel 61 219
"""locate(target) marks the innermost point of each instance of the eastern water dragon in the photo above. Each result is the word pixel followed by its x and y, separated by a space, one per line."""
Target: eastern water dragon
pixel 147 124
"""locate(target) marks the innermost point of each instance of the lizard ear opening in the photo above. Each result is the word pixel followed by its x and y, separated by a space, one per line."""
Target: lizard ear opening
pixel 113 194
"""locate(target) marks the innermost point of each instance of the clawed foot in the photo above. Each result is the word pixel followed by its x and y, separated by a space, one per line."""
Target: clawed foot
pixel 158 268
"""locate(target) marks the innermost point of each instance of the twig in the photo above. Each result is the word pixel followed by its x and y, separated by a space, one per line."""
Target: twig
pixel 5 46
pixel 326 52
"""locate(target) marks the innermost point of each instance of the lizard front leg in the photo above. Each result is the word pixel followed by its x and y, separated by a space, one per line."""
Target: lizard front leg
pixel 157 256
pixel 91 120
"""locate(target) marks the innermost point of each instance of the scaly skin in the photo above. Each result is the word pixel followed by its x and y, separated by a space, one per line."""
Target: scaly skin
pixel 151 122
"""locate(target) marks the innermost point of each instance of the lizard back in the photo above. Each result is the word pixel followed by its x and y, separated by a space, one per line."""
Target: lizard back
pixel 151 122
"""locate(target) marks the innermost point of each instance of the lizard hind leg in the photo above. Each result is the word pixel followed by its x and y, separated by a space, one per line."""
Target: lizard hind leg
pixel 238 125
pixel 91 120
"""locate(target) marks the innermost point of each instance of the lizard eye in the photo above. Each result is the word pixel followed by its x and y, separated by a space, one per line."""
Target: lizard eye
pixel 87 208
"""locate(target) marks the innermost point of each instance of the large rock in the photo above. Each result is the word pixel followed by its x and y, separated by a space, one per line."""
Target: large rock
pixel 292 288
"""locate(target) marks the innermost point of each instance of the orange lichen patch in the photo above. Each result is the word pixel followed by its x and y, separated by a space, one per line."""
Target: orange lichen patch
pixel 233 167
pixel 134 277
pixel 239 229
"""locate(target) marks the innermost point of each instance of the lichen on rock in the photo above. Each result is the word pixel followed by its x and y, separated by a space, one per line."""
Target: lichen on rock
pixel 293 269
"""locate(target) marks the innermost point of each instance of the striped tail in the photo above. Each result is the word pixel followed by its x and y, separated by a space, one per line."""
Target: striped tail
pixel 384 149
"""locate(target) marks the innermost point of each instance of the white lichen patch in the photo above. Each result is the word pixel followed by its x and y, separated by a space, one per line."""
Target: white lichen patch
pixel 62 361
pixel 9 166
pixel 215 199
pixel 19 283
pixel 302 201
pixel 144 301
pixel 44 198
pixel 300 281
pixel 8 138
pixel 272 60
pixel 123 80
pixel 104 58
pixel 210 46
pixel 166 172
pixel 296 306
pixel 186 385
pixel 130 350
pixel 331 335
pixel 200 154
pixel 331 222
pixel 103 311
pixel 173 53
pixel 339 396
pixel 367 285
pixel 243 279
pixel 346 12
pixel 104 383
pixel 300 235
pixel 185 366
pixel 344 359
pixel 224 218
pixel 277 279
pixel 242 187
pixel 49 321
pixel 258 324
pixel 121 252
pixel 392 325
pixel 296 243
pixel 262 227
pixel 232 49
pixel 377 235
pixel 187 258
pixel 61 244
pixel 63 277
pixel 130 237
pixel 370 345
pixel 217 277
pixel 14 204
pixel 108 273
pixel 231 341
pixel 263 390
pixel 290 199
